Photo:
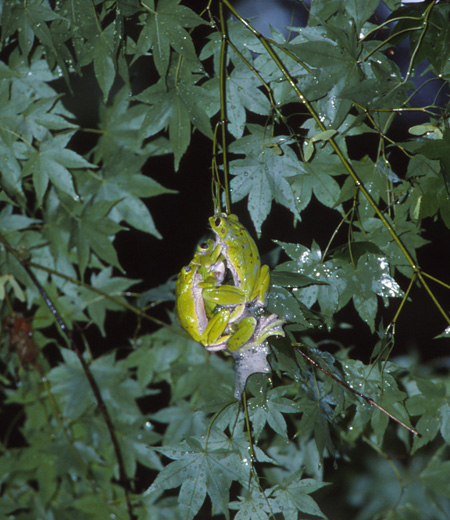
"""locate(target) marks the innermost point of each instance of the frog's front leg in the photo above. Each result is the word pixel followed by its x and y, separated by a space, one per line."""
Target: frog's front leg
pixel 232 296
pixel 226 296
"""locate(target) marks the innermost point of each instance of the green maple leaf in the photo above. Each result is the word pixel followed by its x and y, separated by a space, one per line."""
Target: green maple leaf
pixel 120 181
pixel 91 232
pixel 199 471
pixel 253 507
pixel 43 115
pixel 98 305
pixel 104 62
pixel 167 30
pixel 50 163
pixel 263 175
pixel 120 125
pixel 356 273
pixel 269 409
pixel 429 402
pixel 293 496
pixel 70 384
pixel 29 18
pixel 243 93
pixel 178 108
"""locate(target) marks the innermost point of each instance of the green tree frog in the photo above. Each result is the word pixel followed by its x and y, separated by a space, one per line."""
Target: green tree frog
pixel 242 257
pixel 204 321
pixel 191 311
pixel 218 315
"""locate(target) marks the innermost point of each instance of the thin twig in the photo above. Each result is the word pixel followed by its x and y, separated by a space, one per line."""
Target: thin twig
pixel 223 106
pixel 345 385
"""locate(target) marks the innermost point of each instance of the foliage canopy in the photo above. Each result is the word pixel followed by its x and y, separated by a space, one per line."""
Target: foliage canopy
pixel 148 428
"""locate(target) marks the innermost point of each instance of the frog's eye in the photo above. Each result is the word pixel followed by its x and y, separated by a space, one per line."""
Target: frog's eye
pixel 203 246
pixel 187 268
pixel 218 221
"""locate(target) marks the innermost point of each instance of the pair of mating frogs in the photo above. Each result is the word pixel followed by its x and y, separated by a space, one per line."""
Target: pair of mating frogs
pixel 223 316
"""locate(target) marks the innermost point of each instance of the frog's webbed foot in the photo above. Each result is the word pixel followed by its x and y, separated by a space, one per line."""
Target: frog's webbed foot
pixel 268 326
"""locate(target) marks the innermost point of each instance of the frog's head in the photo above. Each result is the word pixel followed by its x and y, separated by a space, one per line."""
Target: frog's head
pixel 205 253
pixel 186 276
pixel 206 247
pixel 222 225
